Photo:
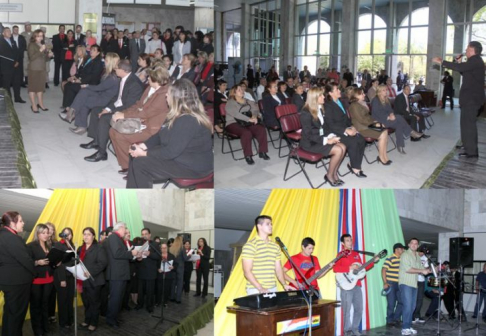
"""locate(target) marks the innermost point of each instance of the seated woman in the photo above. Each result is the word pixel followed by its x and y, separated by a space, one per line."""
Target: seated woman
pixel 167 63
pixel 282 87
pixel 186 69
pixel 220 97
pixel 371 94
pixel 361 118
pixel 337 121
pixel 382 112
pixel 92 96
pixel 247 92
pixel 432 292
pixel 346 97
pixel 89 74
pixel 270 102
pixel 79 60
pixel 313 139
pixel 158 54
pixel 183 148
pixel 151 108
pixel 143 66
pixel 236 106
pixel 298 97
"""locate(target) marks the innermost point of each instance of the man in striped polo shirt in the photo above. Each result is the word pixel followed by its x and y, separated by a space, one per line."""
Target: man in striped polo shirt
pixel 389 274
pixel 410 267
pixel 261 260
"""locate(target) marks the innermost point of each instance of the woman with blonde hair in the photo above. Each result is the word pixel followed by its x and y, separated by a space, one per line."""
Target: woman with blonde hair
pixel 183 148
pixel 38 56
pixel 186 69
pixel 382 112
pixel 91 96
pixel 80 58
pixel 43 281
pixel 177 249
pixel 313 138
pixel 362 120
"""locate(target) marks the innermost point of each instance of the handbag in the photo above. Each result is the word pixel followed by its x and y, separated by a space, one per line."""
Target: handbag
pixel 376 128
pixel 249 114
pixel 127 126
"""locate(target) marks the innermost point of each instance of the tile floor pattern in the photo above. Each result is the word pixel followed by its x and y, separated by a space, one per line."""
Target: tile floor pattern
pixel 406 171
pixel 54 152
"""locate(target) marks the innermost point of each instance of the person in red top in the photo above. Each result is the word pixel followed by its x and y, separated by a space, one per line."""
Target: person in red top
pixel 306 262
pixel 353 297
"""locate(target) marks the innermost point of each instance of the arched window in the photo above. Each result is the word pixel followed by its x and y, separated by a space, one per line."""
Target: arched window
pixel 318 43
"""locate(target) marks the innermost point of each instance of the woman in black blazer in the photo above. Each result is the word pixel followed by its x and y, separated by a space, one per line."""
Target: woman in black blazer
pixel 165 279
pixel 338 122
pixel 270 102
pixel 202 267
pixel 106 45
pixel 94 258
pixel 298 98
pixel 183 148
pixel 64 283
pixel 315 140
pixel 43 281
pixel 16 274
pixel 281 94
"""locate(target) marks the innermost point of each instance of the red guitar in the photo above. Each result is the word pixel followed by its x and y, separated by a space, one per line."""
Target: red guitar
pixel 310 278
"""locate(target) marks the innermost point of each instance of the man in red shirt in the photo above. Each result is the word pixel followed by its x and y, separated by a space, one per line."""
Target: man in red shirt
pixel 307 263
pixel 353 297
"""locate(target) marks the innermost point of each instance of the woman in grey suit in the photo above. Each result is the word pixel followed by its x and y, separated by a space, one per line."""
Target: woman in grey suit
pixel 91 96
pixel 382 112
pixel 38 55
pixel 181 47
pixel 177 249
pixel 298 97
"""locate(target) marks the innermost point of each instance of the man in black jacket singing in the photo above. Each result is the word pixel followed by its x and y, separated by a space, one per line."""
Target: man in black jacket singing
pixel 471 96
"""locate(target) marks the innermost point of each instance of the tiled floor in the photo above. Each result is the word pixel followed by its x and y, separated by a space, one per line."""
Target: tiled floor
pixel 406 171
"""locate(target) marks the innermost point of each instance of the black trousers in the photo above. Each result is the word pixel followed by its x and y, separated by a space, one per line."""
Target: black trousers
pixel 146 290
pixel 202 273
pixel 16 299
pixel 66 68
pixel 105 292
pixel 449 300
pixel 355 146
pixel 91 297
pixel 65 299
pixel 17 81
pixel 8 79
pixel 99 128
pixel 187 278
pixel 117 288
pixel 57 70
pixel 469 128
pixel 417 125
pixel 70 92
pixel 52 302
pixel 446 95
pixel 163 289
pixel 39 308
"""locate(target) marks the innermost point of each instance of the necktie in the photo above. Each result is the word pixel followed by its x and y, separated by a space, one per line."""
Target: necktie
pixel 138 46
pixel 9 42
pixel 14 44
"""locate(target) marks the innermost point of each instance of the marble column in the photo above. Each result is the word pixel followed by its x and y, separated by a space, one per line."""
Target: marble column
pixel 287 32
pixel 436 45
pixel 348 45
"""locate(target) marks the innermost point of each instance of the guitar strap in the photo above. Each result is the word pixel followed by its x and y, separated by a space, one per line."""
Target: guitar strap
pixel 312 260
pixel 366 253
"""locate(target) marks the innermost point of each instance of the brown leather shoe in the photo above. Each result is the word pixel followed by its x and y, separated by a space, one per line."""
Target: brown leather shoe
pixel 123 171
pixel 70 114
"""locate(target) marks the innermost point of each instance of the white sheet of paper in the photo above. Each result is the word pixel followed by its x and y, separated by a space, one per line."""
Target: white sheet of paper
pixel 195 257
pixel 80 275
pixel 164 266
pixel 142 248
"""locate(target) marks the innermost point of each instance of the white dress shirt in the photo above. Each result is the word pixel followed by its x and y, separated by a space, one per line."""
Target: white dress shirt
pixel 119 102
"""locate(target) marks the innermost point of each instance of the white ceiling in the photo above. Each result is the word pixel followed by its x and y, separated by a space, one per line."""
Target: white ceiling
pixel 227 5
pixel 237 208
pixel 28 204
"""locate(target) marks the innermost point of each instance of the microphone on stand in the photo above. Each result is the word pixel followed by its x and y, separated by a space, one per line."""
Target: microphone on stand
pixel 62 235
pixel 279 242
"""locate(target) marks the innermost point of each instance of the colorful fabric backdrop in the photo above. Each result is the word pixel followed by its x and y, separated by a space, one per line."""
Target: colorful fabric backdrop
pixel 96 208
pixel 369 215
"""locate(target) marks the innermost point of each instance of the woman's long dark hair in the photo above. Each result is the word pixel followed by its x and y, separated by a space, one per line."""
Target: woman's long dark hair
pixel 92 231
pixel 72 234
pixel 204 241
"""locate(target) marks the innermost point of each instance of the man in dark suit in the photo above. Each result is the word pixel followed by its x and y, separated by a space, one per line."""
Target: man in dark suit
pixel 118 271
pixel 288 73
pixel 131 89
pixel 58 50
pixel 290 86
pixel 137 47
pixel 402 107
pixel 147 273
pixel 120 46
pixel 19 42
pixel 471 96
pixel 304 73
pixel 79 36
pixel 348 75
pixel 16 275
pixel 9 61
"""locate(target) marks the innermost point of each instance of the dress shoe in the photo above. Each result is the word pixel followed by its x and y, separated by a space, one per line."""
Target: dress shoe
pixel 96 157
pixel 195 295
pixel 83 326
pixel 90 145
pixel 460 147
pixel 401 150
pixel 138 307
pixel 415 139
pixel 341 182
pixel 331 183
pixel 34 110
pixel 43 109
pixel 468 156
pixel 70 115
pixel 249 160
pixel 384 163
pixel 425 136
pixel 20 100
pixel 360 174
pixel 416 135
pixel 263 156
pixel 47 86
pixel 150 310
pixel 113 325
pixel 123 171
pixel 78 130
pixel 23 85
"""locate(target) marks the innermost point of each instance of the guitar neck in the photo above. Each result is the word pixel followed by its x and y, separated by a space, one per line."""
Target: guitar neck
pixel 324 269
pixel 366 264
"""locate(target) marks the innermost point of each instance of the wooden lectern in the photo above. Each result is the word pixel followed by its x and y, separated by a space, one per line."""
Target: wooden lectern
pixel 271 322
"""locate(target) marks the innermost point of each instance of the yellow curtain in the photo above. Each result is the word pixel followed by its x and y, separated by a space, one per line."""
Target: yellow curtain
pixel 74 208
pixel 296 214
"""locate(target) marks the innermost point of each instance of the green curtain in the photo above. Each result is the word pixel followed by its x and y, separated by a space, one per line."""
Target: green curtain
pixel 381 228
pixel 128 210
pixel 191 323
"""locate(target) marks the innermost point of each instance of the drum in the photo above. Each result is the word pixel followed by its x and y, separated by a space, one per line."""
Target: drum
pixel 443 283
pixel 434 282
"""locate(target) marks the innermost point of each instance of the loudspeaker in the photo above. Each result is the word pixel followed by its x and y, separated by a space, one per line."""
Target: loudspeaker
pixel 461 252
pixel 186 236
